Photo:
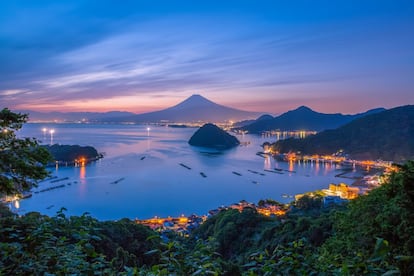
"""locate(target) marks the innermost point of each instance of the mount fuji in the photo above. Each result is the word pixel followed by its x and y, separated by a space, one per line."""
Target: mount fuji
pixel 193 109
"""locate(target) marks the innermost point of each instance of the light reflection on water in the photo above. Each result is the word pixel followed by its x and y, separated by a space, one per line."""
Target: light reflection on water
pixel 154 182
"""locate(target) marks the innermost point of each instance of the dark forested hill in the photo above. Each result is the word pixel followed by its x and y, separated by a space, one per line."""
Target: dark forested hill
pixel 211 136
pixel 304 118
pixel 69 153
pixel 388 135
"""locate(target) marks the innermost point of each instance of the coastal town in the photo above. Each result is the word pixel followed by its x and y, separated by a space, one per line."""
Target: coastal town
pixel 184 225
pixel 334 194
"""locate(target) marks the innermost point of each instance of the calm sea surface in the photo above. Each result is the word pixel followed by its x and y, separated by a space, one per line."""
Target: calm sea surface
pixel 152 181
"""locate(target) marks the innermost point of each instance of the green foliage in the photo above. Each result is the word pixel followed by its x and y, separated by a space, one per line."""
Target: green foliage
pixel 375 232
pixel 295 258
pixel 189 257
pixel 22 161
pixel 307 202
pixel 233 230
pixel 37 244
pixel 270 201
pixel 5 211
pixel 125 243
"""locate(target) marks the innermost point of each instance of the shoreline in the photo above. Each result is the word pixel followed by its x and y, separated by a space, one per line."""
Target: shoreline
pixel 119 179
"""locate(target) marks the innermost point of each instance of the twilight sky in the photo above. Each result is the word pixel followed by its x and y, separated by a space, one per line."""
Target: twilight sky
pixel 333 56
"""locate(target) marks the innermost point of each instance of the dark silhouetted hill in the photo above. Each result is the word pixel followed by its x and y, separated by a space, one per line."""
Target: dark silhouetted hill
pixel 68 153
pixel 211 136
pixel 388 135
pixel 304 118
pixel 249 122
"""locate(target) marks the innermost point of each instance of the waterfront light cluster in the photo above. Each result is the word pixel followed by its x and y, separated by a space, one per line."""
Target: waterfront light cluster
pixel 184 224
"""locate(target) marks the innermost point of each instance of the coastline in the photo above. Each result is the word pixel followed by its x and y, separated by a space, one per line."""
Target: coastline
pixel 154 184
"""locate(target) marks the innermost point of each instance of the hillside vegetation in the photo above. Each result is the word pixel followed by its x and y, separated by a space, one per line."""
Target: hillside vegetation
pixel 388 135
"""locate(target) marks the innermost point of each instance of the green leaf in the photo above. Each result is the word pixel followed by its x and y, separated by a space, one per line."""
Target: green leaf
pixel 151 252
pixel 391 272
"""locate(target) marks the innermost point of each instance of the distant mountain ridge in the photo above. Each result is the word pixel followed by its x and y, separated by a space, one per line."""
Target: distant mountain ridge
pixel 193 109
pixel 304 118
pixel 74 116
pixel 387 135
pixel 196 108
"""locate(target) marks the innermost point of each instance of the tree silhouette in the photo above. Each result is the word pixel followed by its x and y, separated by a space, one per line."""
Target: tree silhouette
pixel 22 161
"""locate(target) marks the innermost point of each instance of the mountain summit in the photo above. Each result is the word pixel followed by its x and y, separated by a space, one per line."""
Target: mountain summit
pixel 193 109
pixel 194 101
pixel 303 109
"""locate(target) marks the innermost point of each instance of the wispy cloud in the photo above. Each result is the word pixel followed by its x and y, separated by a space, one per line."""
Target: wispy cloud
pixel 12 92
pixel 72 52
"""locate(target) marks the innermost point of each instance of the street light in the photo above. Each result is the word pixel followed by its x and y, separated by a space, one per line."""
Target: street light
pixel 44 133
pixel 148 130
pixel 51 135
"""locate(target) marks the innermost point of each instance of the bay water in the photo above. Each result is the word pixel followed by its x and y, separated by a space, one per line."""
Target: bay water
pixel 152 171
